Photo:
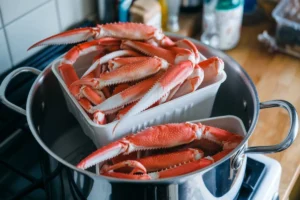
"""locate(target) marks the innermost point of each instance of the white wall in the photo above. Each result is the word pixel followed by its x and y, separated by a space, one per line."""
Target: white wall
pixel 24 22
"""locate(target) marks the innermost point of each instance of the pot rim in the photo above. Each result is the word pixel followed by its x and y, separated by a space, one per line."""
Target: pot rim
pixel 238 149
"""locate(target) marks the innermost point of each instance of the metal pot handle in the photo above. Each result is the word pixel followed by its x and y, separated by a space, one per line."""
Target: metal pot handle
pixel 5 83
pixel 292 134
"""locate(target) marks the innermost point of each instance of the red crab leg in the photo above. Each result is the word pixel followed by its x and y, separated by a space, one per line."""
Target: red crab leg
pixel 118 62
pixel 182 54
pixel 85 48
pixel 106 92
pixel 182 169
pixel 129 72
pixel 173 92
pixel 132 31
pixel 98 70
pixel 124 110
pixel 98 116
pixel 164 161
pixel 190 166
pixel 138 167
pixel 68 74
pixel 161 136
pixel 149 50
pixel 129 95
pixel 212 67
pixel 166 42
pixel 171 78
pixel 119 88
pixel 184 43
pixel 110 56
pixel 191 83
pixel 95 97
pixel 127 176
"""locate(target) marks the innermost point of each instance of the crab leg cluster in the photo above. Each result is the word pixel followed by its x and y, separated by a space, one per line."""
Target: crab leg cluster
pixel 119 159
pixel 136 67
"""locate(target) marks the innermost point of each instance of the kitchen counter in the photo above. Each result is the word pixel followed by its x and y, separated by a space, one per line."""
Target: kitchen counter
pixel 276 76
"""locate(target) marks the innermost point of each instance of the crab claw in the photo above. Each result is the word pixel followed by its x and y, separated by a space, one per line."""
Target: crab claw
pixel 132 31
pixel 68 37
pixel 172 77
pixel 104 153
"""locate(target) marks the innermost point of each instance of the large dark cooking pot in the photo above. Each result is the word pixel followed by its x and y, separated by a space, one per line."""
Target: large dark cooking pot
pixel 60 135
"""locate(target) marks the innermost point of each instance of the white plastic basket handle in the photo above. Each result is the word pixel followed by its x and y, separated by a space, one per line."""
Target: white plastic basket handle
pixel 5 83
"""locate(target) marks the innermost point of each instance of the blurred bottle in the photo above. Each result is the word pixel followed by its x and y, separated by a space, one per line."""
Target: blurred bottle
pixel 253 14
pixel 190 6
pixel 222 20
pixel 173 15
pixel 164 13
pixel 147 12
pixel 107 11
pixel 123 10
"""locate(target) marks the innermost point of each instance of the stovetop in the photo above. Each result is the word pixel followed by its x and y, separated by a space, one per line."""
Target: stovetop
pixel 24 165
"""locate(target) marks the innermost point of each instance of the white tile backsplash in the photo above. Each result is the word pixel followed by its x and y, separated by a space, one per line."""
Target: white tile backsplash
pixel 25 22
pixel 74 11
pixel 12 9
pixel 5 63
pixel 37 25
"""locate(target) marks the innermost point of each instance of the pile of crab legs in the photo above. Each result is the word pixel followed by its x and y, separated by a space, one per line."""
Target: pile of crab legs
pixel 123 158
pixel 137 68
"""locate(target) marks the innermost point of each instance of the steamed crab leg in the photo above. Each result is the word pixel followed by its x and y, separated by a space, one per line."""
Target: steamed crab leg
pixel 76 91
pixel 171 78
pixel 164 161
pixel 211 67
pixel 132 31
pixel 98 116
pixel 127 73
pixel 191 83
pixel 149 50
pixel 128 95
pixel 162 136
pixel 138 166
pixel 119 88
pixel 108 57
pixel 118 62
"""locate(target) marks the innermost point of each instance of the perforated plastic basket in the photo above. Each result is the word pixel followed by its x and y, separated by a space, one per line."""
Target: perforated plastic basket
pixel 192 106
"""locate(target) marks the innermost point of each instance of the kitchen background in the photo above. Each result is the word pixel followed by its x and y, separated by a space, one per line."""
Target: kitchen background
pixel 22 23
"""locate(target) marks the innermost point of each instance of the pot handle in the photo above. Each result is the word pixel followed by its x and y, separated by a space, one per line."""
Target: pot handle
pixel 5 83
pixel 291 136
